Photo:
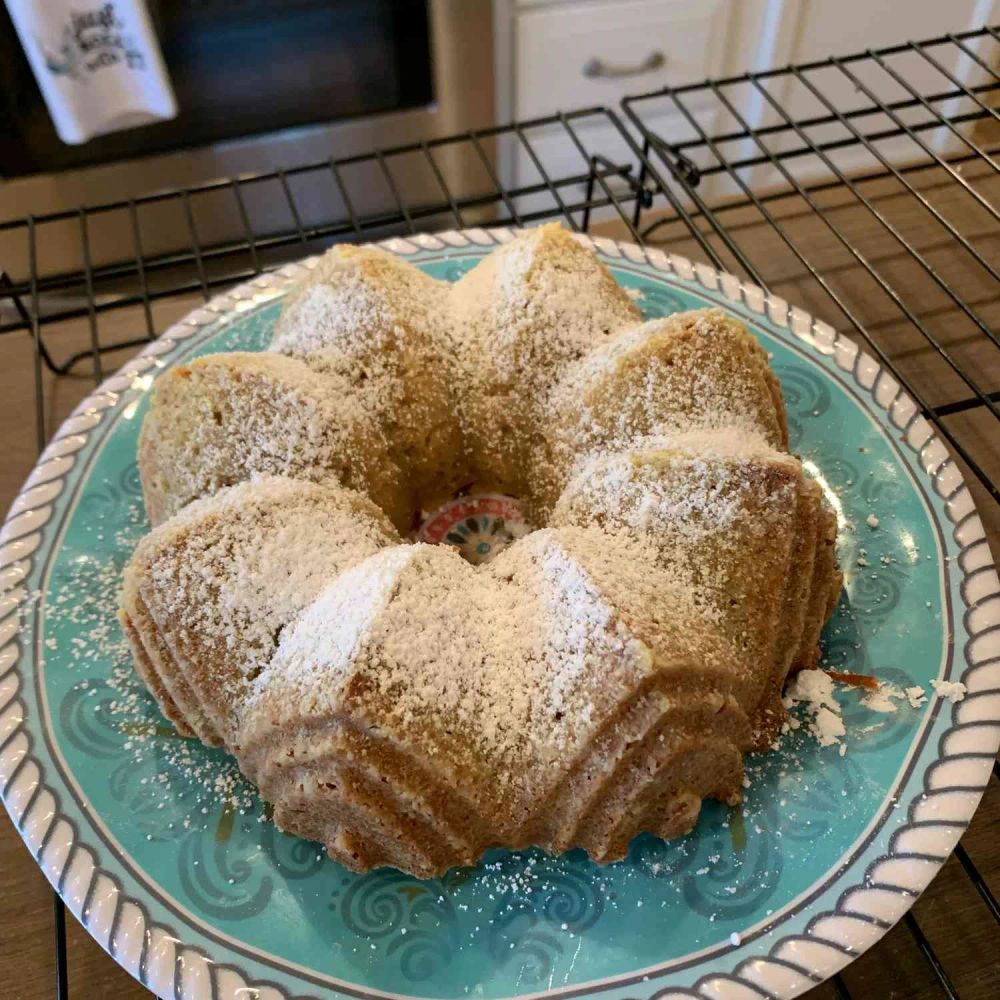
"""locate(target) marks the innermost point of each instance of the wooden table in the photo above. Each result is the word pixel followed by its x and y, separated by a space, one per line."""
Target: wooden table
pixel 951 913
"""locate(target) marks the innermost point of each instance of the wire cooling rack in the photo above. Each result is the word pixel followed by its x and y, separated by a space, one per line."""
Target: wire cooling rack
pixel 865 191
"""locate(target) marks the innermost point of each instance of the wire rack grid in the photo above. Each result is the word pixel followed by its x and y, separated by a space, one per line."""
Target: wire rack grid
pixel 865 191
pixel 868 192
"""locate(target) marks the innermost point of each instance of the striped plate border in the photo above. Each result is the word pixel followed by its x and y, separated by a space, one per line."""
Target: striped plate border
pixel 936 818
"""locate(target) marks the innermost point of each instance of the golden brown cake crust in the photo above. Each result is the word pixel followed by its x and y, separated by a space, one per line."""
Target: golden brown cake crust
pixel 600 677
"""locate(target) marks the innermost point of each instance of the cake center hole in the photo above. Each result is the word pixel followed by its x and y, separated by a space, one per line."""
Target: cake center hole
pixel 478 525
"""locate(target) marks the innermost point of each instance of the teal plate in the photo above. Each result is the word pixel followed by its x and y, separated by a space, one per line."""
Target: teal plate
pixel 163 851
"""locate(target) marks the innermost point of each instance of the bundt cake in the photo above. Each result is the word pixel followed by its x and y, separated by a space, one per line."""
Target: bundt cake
pixel 598 677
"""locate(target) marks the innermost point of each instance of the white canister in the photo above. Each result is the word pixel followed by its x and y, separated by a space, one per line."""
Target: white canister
pixel 98 65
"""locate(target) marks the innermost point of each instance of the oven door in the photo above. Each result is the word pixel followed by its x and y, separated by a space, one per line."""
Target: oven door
pixel 406 71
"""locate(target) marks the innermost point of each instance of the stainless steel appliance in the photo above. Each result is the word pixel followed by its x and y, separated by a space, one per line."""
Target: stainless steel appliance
pixel 262 87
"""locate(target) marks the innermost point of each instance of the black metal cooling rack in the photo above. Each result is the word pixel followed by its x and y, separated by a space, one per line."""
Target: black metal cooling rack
pixel 865 190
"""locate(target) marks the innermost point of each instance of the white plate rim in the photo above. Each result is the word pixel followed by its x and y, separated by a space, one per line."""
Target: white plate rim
pixel 864 912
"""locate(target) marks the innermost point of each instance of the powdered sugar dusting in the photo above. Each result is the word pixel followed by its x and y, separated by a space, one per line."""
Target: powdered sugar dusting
pixel 384 328
pixel 954 691
pixel 535 622
pixel 685 487
pixel 537 303
pixel 883 698
pixel 671 430
pixel 227 417
pixel 690 370
pixel 230 571
pixel 815 691
pixel 83 638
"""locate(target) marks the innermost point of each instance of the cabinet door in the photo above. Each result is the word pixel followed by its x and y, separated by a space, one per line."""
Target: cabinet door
pixel 814 31
pixel 587 54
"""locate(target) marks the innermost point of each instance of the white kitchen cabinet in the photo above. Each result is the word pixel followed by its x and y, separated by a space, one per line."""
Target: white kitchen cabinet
pixel 562 54
pixel 557 56
pixel 583 54
pixel 816 30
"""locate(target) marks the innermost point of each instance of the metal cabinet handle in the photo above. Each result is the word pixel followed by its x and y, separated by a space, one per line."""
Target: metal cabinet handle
pixel 597 69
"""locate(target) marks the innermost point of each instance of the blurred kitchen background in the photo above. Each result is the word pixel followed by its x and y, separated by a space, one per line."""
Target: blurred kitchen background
pixel 309 121
pixel 265 86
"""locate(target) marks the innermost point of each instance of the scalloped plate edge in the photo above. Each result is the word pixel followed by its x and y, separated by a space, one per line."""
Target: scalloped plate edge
pixel 864 912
